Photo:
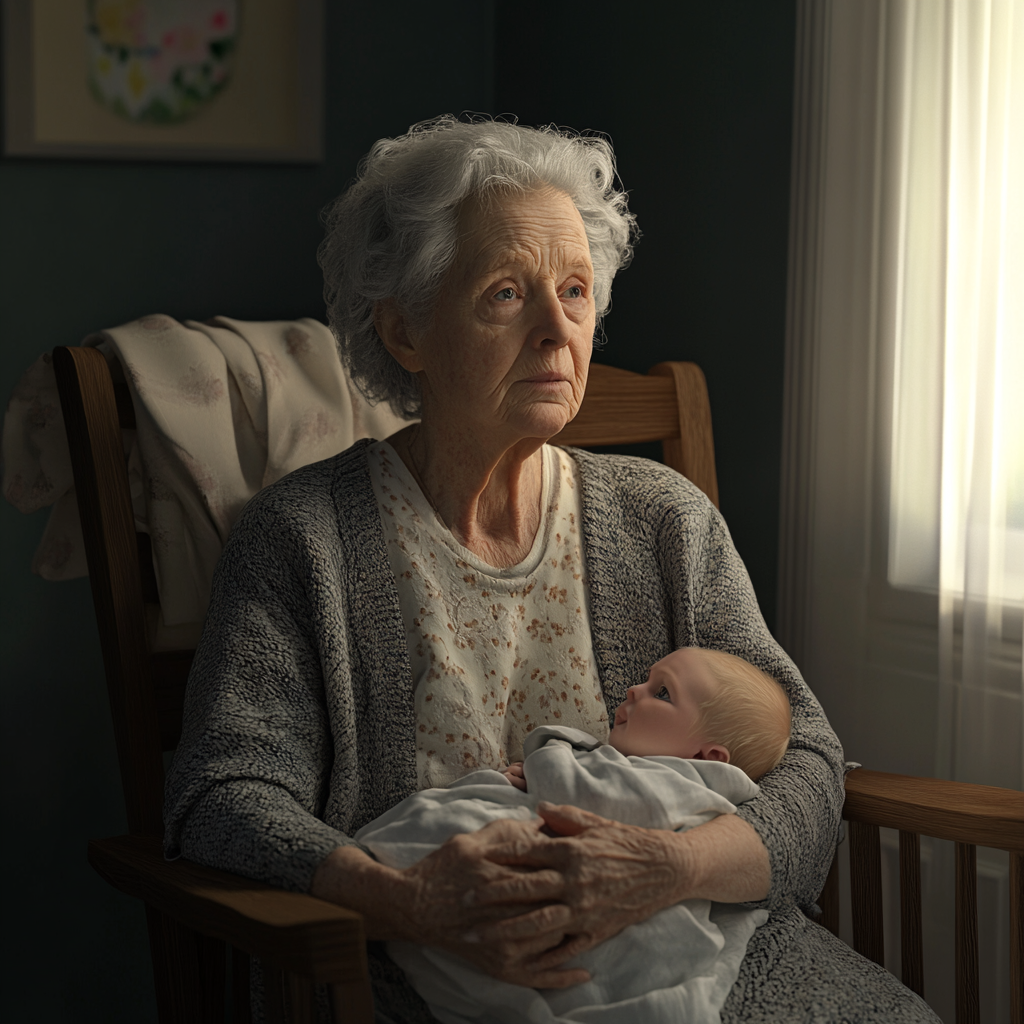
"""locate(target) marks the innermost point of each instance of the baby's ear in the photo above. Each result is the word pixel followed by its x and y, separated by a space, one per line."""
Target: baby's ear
pixel 713 752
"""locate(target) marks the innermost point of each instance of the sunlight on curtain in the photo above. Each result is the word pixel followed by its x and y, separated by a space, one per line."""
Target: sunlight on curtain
pixel 957 483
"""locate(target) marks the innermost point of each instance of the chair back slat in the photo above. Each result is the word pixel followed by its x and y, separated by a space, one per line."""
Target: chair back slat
pixel 670 404
pixel 866 891
pixel 104 505
pixel 911 949
pixel 968 989
pixel 620 407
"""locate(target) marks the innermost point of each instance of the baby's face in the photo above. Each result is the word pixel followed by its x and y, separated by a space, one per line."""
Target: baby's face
pixel 660 715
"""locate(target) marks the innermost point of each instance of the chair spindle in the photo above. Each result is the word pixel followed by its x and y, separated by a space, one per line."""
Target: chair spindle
pixel 866 891
pixel 911 950
pixel 968 1010
pixel 241 1010
pixel 1017 938
pixel 301 1003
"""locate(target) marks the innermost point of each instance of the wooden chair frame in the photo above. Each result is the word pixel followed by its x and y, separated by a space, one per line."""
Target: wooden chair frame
pixel 195 914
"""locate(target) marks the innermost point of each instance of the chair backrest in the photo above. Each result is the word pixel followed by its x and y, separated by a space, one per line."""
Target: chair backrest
pixel 147 688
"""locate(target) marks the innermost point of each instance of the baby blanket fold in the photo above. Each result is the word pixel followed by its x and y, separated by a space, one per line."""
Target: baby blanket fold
pixel 679 965
pixel 222 409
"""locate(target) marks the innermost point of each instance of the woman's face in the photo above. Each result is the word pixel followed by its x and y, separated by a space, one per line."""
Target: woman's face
pixel 508 351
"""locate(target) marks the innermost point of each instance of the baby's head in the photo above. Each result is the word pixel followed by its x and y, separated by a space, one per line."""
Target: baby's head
pixel 707 705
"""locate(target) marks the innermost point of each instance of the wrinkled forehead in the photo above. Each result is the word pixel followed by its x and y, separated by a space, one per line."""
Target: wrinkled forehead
pixel 511 228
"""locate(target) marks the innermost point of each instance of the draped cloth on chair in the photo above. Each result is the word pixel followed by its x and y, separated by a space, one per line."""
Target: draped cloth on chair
pixel 222 409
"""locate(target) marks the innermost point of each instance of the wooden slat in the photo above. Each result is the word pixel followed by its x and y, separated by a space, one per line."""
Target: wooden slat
pixel 829 898
pixel 301 1004
pixel 692 453
pixel 911 949
pixel 968 1007
pixel 866 891
pixel 273 994
pixel 193 990
pixel 1016 938
pixel 169 672
pixel 621 407
pixel 104 504
pixel 241 1010
pixel 957 811
pixel 292 931
pixel 670 404
pixel 352 1003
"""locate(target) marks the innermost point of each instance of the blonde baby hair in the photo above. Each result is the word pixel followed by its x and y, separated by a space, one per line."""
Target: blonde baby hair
pixel 749 714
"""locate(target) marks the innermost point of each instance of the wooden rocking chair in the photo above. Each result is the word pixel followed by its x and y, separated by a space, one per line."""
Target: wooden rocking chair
pixel 195 914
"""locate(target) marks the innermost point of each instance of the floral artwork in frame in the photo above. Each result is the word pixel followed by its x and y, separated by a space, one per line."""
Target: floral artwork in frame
pixel 164 79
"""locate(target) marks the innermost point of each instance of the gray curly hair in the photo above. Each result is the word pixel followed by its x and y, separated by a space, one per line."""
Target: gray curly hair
pixel 393 233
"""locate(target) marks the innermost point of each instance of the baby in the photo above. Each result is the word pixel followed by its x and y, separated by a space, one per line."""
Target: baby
pixel 673 761
pixel 703 705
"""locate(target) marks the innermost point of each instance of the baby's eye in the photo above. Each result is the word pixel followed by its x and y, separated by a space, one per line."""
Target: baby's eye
pixel 505 295
pixel 663 694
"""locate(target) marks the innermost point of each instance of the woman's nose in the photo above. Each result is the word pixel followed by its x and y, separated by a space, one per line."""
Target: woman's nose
pixel 552 329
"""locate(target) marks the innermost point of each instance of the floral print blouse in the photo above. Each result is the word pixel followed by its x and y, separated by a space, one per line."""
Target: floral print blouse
pixel 495 652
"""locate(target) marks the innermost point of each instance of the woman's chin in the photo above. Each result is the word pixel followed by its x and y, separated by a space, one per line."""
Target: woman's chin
pixel 544 422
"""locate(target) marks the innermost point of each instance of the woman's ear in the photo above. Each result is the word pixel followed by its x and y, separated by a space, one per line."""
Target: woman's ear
pixel 389 321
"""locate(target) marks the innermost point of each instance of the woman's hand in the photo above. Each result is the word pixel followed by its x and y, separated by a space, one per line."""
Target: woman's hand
pixel 427 903
pixel 514 774
pixel 612 875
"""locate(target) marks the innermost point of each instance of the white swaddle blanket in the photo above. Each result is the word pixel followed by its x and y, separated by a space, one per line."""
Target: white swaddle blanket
pixel 677 966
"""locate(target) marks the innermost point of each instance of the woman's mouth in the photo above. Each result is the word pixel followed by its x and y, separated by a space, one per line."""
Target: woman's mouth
pixel 545 378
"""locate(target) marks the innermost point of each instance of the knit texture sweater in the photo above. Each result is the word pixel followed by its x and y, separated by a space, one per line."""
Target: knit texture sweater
pixel 299 717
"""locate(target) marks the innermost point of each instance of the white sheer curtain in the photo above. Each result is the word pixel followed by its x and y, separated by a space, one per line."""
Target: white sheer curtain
pixel 957 463
pixel 902 515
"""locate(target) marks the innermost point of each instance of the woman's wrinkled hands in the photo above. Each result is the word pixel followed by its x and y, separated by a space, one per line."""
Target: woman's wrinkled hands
pixel 519 933
pixel 602 875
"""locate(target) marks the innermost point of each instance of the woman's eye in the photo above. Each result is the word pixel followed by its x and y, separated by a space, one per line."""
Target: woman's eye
pixel 663 694
pixel 505 295
pixel 575 292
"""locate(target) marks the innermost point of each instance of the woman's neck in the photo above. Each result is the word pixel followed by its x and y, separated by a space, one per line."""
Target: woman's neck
pixel 488 499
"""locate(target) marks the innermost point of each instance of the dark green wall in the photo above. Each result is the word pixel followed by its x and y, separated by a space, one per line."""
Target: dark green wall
pixel 697 101
pixel 85 245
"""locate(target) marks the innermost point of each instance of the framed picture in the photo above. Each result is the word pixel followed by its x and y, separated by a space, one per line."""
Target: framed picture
pixel 164 79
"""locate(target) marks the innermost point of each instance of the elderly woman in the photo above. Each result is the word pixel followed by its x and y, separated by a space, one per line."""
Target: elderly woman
pixel 409 610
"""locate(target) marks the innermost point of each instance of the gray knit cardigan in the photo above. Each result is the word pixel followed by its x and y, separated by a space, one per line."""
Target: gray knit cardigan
pixel 299 719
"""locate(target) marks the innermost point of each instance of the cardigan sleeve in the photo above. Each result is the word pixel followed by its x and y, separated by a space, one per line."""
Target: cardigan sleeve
pixel 798 811
pixel 249 780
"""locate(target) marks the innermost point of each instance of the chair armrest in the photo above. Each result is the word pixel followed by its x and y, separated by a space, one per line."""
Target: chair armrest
pixel 957 811
pixel 293 931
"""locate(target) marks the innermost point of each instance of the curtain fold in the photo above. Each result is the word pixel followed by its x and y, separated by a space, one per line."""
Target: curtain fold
pixel 957 464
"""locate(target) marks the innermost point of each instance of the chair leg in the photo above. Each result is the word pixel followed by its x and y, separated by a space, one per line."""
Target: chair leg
pixel 188 971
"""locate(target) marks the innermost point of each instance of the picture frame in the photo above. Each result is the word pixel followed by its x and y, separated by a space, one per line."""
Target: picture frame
pixel 90 79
